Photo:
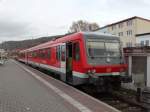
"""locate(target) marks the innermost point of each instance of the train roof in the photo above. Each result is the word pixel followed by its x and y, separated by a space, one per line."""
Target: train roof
pixel 98 33
pixel 69 37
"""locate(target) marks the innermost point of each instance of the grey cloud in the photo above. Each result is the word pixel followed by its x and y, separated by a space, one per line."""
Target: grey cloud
pixel 9 28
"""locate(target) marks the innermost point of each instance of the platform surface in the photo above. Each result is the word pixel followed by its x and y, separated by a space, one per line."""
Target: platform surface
pixel 24 89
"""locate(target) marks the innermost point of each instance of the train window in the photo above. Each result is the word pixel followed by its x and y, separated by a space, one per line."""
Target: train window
pixel 30 55
pixel 38 53
pixel 49 53
pixel 95 48
pixel 42 55
pixel 76 51
pixel 63 52
pixel 34 54
pixel 58 52
pixel 112 48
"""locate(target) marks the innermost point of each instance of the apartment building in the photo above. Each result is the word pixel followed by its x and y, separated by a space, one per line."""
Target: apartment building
pixel 127 29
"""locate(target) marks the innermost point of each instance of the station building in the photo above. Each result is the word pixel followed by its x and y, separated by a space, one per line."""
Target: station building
pixel 138 60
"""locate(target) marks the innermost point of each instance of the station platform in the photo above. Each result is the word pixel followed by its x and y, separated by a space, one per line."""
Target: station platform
pixel 24 89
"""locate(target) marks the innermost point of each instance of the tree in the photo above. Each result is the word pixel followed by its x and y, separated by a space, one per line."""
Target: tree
pixel 83 26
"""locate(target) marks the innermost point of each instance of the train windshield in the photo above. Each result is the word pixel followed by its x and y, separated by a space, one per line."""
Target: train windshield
pixel 112 48
pixel 101 48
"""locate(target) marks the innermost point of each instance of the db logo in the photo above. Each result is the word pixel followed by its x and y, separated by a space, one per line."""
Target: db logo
pixel 108 70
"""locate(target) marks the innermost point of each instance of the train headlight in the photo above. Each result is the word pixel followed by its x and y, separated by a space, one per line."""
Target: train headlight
pixel 93 71
pixel 89 71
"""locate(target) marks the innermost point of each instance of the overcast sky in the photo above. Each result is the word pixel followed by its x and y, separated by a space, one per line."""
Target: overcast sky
pixel 24 19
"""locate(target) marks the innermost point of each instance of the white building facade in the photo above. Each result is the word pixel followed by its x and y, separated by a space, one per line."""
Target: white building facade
pixel 143 39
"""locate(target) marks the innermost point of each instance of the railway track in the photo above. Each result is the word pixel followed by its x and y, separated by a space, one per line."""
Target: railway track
pixel 123 100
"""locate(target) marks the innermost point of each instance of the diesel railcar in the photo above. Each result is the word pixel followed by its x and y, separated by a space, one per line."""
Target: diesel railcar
pixel 80 58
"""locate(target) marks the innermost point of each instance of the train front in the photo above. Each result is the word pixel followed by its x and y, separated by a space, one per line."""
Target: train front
pixel 104 60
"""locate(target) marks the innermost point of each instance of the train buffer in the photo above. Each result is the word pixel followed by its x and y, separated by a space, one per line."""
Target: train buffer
pixel 24 89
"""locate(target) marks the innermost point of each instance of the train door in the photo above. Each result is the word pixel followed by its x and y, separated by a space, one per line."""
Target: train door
pixel 69 59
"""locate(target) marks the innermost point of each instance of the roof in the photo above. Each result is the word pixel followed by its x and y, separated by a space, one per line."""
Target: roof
pixel 134 17
pixel 142 34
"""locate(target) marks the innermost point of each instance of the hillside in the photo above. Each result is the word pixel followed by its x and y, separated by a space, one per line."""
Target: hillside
pixel 12 45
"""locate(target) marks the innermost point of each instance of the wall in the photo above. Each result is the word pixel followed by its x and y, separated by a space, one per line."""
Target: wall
pixel 137 69
pixel 143 26
pixel 148 71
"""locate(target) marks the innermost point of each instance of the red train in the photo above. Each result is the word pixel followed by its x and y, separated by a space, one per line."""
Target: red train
pixel 80 58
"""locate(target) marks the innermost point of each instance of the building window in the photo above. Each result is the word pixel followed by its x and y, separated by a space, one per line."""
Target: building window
pixel 142 43
pixel 129 32
pixel 113 27
pixel 120 34
pixel 129 44
pixel 147 42
pixel 120 25
pixel 129 23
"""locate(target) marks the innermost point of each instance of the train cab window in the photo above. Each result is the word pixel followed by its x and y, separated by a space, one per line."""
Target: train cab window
pixel 76 51
pixel 95 48
pixel 58 52
pixel 112 48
